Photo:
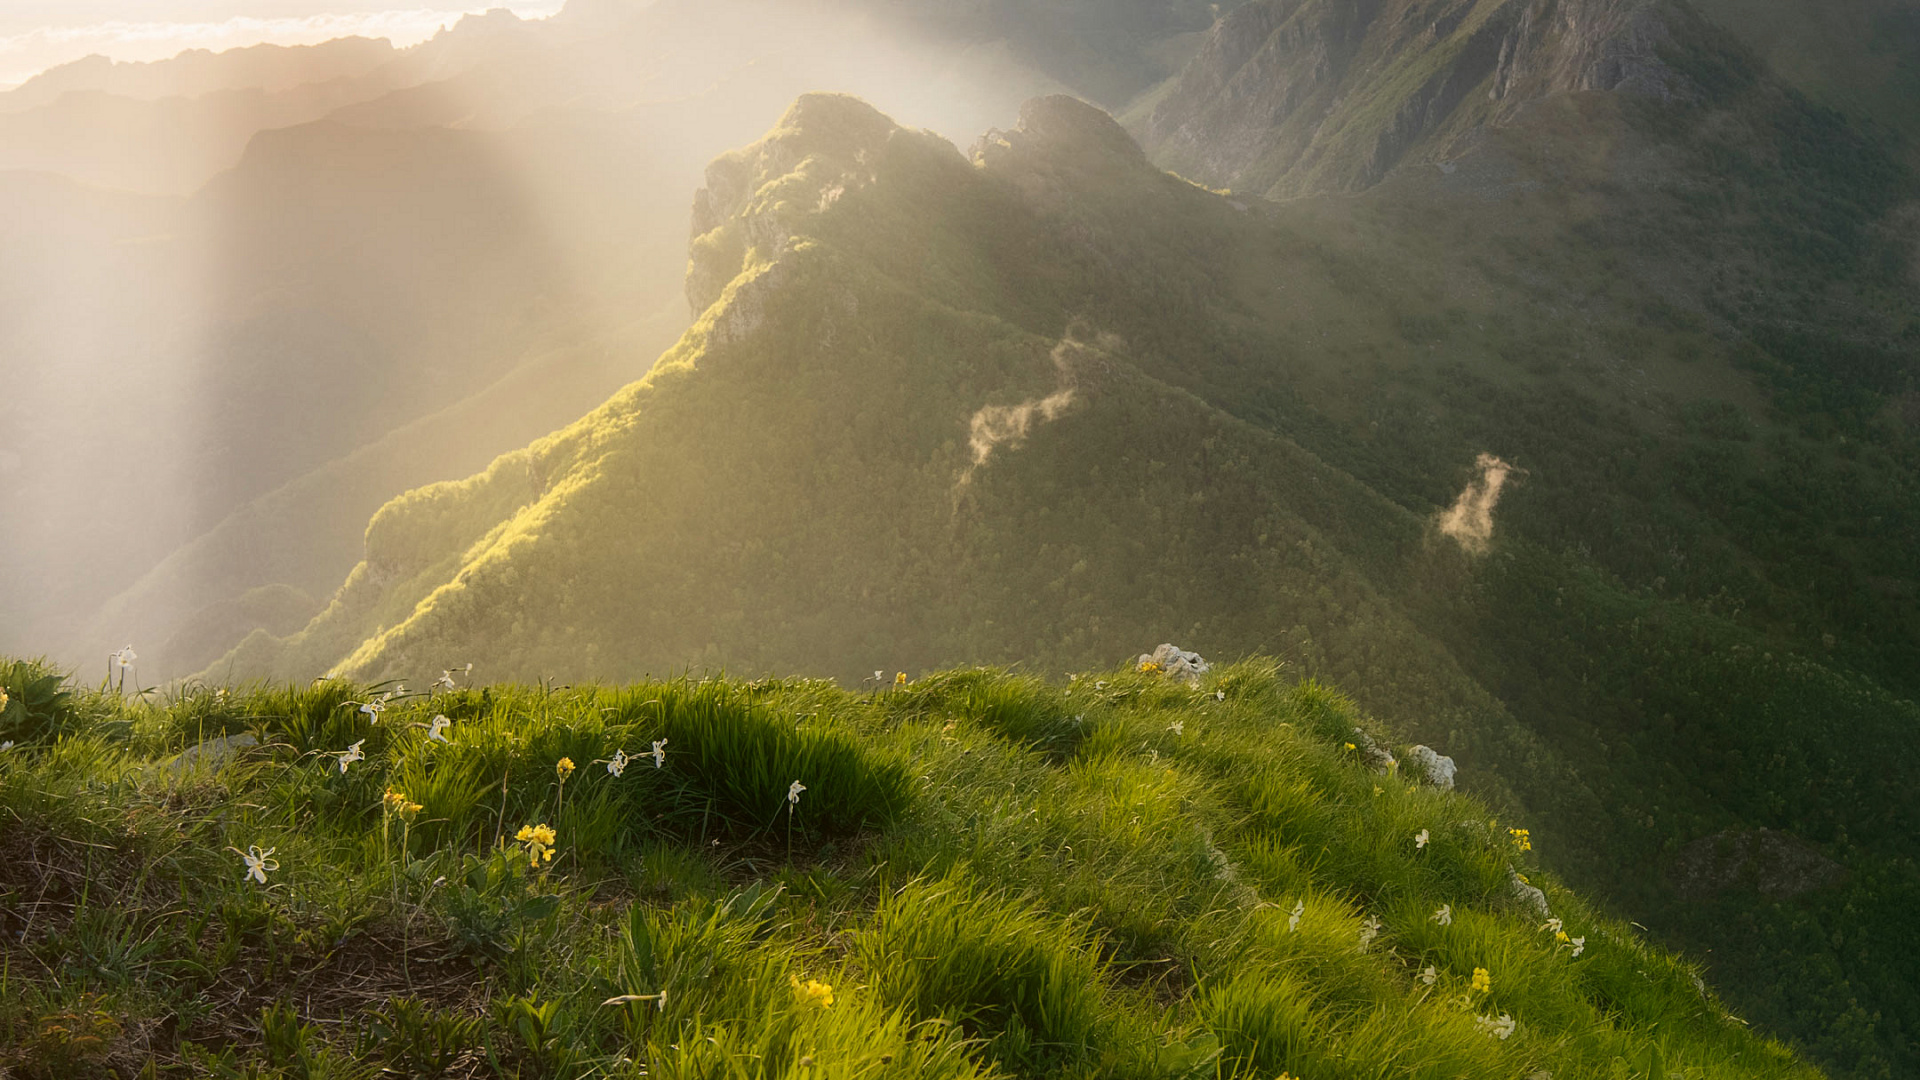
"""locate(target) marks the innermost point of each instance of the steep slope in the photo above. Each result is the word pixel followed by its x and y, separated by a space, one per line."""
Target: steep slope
pixel 970 876
pixel 1052 402
pixel 1859 56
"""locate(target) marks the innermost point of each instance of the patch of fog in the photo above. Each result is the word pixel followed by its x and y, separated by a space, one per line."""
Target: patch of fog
pixel 995 426
pixel 1470 519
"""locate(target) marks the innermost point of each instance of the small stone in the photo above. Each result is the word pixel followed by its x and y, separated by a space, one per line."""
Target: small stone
pixel 1431 765
pixel 1177 663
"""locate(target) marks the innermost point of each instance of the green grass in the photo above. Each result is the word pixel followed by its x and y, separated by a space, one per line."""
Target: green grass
pixel 1208 881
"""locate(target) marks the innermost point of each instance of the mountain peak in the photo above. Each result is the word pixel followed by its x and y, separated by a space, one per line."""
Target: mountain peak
pixel 1064 125
pixel 1291 96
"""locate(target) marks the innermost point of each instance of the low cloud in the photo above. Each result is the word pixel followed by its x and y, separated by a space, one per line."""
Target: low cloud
pixel 995 426
pixel 1470 520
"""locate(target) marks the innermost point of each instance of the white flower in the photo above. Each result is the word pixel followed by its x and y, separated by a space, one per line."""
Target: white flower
pixel 1219 695
pixel 879 676
pixel 1293 920
pixel 617 764
pixel 660 757
pixel 793 792
pixel 1420 839
pixel 350 755
pixel 1178 727
pixel 1579 945
pixel 469 669
pixel 445 680
pixel 1500 1027
pixel 1430 975
pixel 373 707
pixel 1368 931
pixel 1551 926
pixel 437 731
pixel 1444 916
pixel 6 746
pixel 258 862
pixel 125 657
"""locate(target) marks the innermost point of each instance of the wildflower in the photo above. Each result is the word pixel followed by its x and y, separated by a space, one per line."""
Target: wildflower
pixel 1368 931
pixel 258 862
pixel 811 992
pixel 125 657
pixel 1100 684
pixel 6 746
pixel 1151 668
pixel 563 768
pixel 437 731
pixel 793 792
pixel 1178 727
pixel 1522 839
pixel 373 707
pixel 1444 916
pixel 1560 938
pixel 616 764
pixel 1482 981
pixel 398 805
pixel 1420 839
pixel 1293 920
pixel 1350 746
pixel 1551 924
pixel 659 753
pixel 3 699
pixel 445 681
pixel 1378 790
pixel 1500 1027
pixel 1429 975
pixel 350 755
pixel 1579 945
pixel 539 840
pixel 1219 695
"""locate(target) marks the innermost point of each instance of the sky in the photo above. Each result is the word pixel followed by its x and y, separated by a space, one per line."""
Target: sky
pixel 39 34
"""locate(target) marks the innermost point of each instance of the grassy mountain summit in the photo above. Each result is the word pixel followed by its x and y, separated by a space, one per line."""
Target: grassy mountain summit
pixel 1044 403
pixel 970 874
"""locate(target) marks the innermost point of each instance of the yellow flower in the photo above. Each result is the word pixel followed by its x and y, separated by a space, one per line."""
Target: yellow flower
pixel 1350 746
pixel 563 768
pixel 1561 937
pixel 1482 981
pixel 397 804
pixel 1522 839
pixel 1151 668
pixel 539 840
pixel 811 992
pixel 900 679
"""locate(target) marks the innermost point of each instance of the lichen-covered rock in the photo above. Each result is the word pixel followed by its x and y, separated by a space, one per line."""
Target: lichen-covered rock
pixel 1527 896
pixel 1176 663
pixel 1431 765
pixel 1377 757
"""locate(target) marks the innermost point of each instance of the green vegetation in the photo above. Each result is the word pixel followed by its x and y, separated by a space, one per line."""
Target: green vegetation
pixel 1694 608
pixel 1215 880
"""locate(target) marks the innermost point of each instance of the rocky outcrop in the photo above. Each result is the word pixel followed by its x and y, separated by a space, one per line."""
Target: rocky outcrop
pixel 1294 96
pixel 1175 663
pixel 1430 765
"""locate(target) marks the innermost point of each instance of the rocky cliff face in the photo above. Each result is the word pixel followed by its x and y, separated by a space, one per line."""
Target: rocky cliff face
pixel 1291 96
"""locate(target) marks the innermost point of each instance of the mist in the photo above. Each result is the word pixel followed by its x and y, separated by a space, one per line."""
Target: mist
pixel 253 295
